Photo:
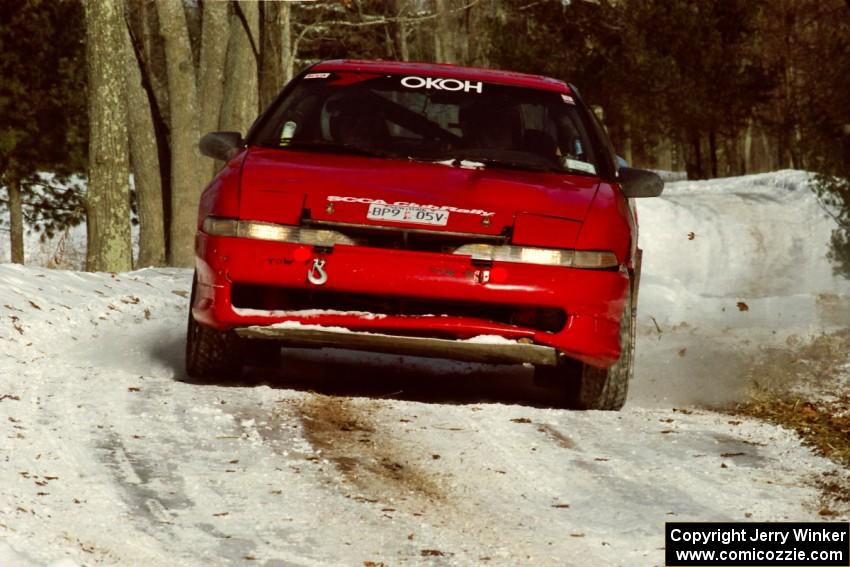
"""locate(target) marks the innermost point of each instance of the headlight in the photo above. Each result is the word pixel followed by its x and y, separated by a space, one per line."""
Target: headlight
pixel 270 231
pixel 546 256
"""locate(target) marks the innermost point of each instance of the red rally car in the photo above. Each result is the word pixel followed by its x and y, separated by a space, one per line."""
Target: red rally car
pixel 428 210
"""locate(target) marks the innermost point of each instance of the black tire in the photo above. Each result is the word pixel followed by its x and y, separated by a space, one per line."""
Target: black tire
pixel 211 354
pixel 587 387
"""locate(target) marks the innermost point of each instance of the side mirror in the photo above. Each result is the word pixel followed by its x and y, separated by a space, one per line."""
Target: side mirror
pixel 638 183
pixel 220 145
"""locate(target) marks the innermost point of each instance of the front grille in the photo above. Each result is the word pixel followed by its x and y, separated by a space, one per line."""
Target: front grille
pixel 420 240
pixel 273 298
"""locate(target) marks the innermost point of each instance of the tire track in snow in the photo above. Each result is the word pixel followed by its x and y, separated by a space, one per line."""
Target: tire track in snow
pixel 148 487
pixel 66 432
pixel 369 459
pixel 359 439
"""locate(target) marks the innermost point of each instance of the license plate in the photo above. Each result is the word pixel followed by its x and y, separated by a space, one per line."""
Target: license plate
pixel 414 215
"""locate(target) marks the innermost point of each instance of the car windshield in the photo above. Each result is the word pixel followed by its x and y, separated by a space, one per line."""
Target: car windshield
pixel 461 122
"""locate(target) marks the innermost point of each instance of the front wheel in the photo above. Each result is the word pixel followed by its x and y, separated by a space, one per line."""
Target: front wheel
pixel 587 387
pixel 211 354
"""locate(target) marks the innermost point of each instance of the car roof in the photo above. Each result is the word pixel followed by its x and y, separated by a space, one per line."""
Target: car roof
pixel 444 70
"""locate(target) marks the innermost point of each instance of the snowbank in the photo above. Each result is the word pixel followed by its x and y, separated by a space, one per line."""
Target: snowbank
pixel 731 267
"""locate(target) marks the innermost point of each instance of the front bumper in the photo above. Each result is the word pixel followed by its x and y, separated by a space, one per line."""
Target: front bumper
pixel 494 353
pixel 592 300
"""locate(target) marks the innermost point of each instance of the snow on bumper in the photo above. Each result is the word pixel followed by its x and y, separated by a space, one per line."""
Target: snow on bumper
pixel 592 301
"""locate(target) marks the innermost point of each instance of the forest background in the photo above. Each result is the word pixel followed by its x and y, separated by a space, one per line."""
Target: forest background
pixel 96 93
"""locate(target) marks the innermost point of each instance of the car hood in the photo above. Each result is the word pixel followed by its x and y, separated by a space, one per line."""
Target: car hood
pixel 338 188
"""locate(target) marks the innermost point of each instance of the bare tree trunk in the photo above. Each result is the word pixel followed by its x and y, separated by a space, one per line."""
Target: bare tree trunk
pixel 712 149
pixel 443 51
pixel 240 88
pixel 796 137
pixel 145 25
pixel 748 148
pixel 403 49
pixel 16 219
pixel 287 52
pixel 108 196
pixel 767 155
pixel 389 43
pixel 461 33
pixel 694 167
pixel 144 159
pixel 664 151
pixel 216 31
pixel 728 156
pixel 187 166
pixel 478 43
pixel 271 49
pixel 627 143
pixel 401 31
pixel 450 36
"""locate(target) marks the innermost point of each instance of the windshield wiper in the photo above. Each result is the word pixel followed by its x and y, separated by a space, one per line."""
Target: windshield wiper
pixel 505 163
pixel 333 147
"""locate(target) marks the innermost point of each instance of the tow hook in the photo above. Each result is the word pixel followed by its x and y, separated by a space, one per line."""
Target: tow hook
pixel 482 276
pixel 317 275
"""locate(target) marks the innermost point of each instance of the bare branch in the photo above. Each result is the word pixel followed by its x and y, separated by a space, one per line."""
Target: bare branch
pixel 391 20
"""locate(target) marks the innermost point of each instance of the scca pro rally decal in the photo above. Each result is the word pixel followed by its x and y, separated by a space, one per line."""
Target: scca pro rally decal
pixel 442 84
pixel 368 201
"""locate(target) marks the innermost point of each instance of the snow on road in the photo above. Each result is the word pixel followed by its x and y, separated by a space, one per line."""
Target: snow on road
pixel 110 456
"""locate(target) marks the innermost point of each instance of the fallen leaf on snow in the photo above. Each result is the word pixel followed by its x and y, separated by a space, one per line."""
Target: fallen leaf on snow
pixel 16 325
